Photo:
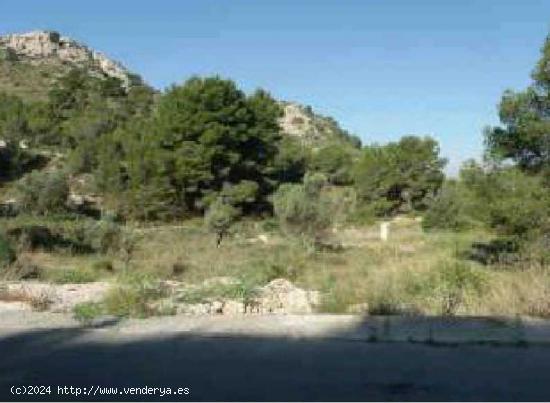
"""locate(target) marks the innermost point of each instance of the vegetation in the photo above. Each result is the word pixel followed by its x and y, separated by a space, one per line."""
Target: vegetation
pixel 399 177
pixel 7 255
pixel 304 210
pixel 219 217
pixel 335 161
pixel 103 182
pixel 43 193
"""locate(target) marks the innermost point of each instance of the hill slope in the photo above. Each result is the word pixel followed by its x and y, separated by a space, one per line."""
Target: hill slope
pixel 30 64
pixel 312 129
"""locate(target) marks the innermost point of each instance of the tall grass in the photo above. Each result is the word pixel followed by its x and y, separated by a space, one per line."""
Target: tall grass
pixel 413 273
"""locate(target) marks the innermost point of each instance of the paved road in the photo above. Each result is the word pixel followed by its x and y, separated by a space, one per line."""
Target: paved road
pixel 221 366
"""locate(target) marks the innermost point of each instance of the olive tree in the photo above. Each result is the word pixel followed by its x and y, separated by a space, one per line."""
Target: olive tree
pixel 303 210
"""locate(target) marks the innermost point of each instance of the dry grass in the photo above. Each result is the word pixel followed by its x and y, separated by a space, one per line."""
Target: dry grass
pixel 414 272
pixel 38 302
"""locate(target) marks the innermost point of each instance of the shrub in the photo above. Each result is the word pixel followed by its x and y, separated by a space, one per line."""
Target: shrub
pixel 103 265
pixel 303 210
pixel 368 213
pixel 103 236
pixel 134 296
pixel 448 210
pixel 44 193
pixel 453 281
pixel 25 269
pixel 74 276
pixel 179 268
pixel 86 312
pixel 514 204
pixel 219 217
pixel 241 290
pixel 335 161
pixel 8 54
pixel 38 301
pixel 31 237
pixel 7 255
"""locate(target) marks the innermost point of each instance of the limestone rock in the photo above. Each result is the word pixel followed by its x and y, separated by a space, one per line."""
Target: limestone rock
pixel 311 129
pixel 233 308
pixel 216 307
pixel 40 46
pixel 281 296
pixel 362 308
pixel 194 309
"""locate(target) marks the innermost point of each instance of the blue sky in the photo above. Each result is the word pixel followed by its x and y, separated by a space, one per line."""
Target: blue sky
pixel 382 68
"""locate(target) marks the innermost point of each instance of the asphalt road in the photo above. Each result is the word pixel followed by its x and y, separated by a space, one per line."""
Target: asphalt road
pixel 265 368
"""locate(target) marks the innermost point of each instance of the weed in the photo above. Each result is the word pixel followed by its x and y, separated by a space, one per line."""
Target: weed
pixel 134 296
pixel 86 312
pixel 38 302
pixel 74 276
pixel 103 266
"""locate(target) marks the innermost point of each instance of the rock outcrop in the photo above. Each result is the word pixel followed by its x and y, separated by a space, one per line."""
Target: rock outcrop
pixel 312 129
pixel 283 297
pixel 48 46
pixel 279 296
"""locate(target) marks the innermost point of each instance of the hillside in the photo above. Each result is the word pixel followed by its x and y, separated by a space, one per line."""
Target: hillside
pixel 313 129
pixel 30 64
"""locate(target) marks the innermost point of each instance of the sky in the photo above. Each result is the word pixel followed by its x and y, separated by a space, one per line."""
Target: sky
pixel 382 68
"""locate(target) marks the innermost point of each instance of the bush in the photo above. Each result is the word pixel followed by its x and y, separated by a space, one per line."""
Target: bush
pixel 31 237
pixel 25 269
pixel 367 213
pixel 336 162
pixel 75 276
pixel 219 217
pixel 448 210
pixel 44 193
pixel 453 281
pixel 134 297
pixel 7 255
pixel 103 236
pixel 103 266
pixel 86 312
pixel 522 207
pixel 303 210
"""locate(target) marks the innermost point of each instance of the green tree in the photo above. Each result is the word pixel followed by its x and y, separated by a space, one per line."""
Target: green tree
pixel 525 134
pixel 43 193
pixel 219 218
pixel 290 162
pixel 303 209
pixel 214 137
pixel 206 140
pixel 450 209
pixel 399 176
pixel 14 161
pixel 519 205
pixel 13 121
pixel 336 162
pixel 7 255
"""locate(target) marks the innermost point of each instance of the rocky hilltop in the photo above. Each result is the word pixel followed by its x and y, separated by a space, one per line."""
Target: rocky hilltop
pixel 30 64
pixel 312 129
pixel 50 48
pixel 41 46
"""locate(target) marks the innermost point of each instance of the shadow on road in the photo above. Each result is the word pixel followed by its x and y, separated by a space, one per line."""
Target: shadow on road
pixel 239 367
